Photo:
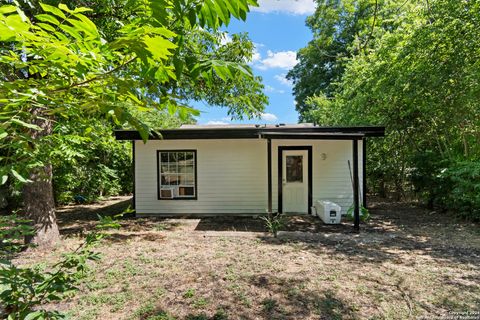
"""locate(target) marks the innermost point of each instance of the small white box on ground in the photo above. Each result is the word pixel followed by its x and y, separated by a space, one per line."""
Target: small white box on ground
pixel 329 212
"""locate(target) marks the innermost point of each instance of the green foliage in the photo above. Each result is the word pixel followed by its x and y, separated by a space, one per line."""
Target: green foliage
pixel 413 67
pixel 458 188
pixel 23 290
pixel 88 162
pixel 273 223
pixel 190 293
pixel 57 65
pixel 13 230
pixel 364 213
pixel 337 28
pixel 70 75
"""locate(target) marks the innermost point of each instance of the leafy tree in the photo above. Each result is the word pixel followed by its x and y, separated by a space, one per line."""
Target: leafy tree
pixel 56 65
pixel 339 31
pixel 419 77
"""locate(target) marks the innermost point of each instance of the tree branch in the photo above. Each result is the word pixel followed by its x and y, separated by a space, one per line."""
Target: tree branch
pixel 82 83
pixel 373 26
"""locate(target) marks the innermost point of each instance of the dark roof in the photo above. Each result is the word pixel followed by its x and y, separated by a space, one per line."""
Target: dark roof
pixel 296 131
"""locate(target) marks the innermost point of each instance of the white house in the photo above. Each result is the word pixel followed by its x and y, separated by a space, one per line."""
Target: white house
pixel 201 170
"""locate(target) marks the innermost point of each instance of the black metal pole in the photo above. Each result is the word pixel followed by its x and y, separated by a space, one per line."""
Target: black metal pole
pixel 133 175
pixel 269 168
pixel 364 172
pixel 356 222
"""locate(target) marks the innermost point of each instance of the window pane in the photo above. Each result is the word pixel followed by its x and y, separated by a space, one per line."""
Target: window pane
pixel 165 180
pixel 189 156
pixel 294 168
pixel 172 157
pixel 182 168
pixel 164 168
pixel 169 179
pixel 174 180
pixel 186 179
pixel 172 167
pixel 189 169
pixel 186 191
pixel 164 157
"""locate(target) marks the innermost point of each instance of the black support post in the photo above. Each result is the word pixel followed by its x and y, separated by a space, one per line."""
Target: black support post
pixel 269 168
pixel 356 223
pixel 364 172
pixel 133 174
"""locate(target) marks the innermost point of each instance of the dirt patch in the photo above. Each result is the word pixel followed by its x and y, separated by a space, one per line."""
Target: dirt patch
pixel 407 262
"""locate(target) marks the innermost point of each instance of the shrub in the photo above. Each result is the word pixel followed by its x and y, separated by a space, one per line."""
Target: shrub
pixel 460 185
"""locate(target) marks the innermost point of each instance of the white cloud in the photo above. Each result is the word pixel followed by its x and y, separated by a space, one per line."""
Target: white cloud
pixel 270 117
pixel 225 38
pixel 298 7
pixel 269 88
pixel 281 59
pixel 256 55
pixel 282 78
pixel 214 122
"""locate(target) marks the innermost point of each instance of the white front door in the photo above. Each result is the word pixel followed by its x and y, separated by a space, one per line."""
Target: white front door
pixel 295 181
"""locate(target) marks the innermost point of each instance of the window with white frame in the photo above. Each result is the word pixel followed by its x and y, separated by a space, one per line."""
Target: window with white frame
pixel 177 174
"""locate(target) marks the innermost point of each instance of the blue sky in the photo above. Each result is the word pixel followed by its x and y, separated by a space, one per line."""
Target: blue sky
pixel 277 28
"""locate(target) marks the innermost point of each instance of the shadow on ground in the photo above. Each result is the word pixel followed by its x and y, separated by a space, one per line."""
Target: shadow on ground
pixel 395 228
pixel 276 298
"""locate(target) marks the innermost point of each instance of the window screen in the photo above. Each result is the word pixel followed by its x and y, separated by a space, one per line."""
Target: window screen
pixel 177 178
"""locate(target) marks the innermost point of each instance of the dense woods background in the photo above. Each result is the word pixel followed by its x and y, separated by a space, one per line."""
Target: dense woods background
pixel 413 66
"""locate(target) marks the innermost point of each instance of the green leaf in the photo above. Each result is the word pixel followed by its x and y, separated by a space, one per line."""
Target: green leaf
pixel 64 8
pixel 82 9
pixel 19 177
pixel 4 180
pixel 26 125
pixel 46 27
pixel 47 18
pixel 159 47
pixel 36 315
pixel 7 34
pixel 88 24
pixel 52 9
pixel 7 9
pixel 71 31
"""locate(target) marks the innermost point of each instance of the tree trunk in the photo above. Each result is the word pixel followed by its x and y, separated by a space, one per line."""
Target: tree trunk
pixel 40 207
pixel 39 204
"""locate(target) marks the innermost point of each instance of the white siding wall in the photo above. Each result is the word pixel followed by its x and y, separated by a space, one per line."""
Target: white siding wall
pixel 331 177
pixel 232 175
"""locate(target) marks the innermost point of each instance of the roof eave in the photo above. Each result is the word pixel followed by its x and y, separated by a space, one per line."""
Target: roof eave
pixel 252 133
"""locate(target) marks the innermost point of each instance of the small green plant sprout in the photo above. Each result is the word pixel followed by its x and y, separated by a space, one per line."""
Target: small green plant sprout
pixel 364 213
pixel 269 305
pixel 273 223
pixel 190 293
